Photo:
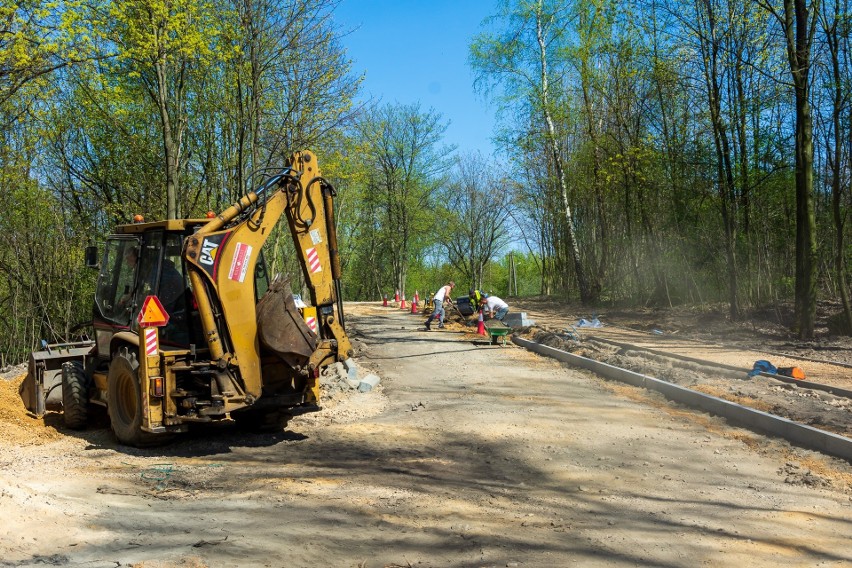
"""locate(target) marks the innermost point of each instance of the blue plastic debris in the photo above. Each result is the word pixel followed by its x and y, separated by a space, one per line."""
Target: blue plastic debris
pixel 762 366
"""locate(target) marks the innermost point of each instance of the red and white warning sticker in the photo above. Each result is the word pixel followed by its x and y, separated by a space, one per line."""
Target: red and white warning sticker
pixel 151 341
pixel 240 262
pixel 313 260
pixel 312 323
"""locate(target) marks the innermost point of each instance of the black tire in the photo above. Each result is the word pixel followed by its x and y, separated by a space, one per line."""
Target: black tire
pixel 75 395
pixel 124 402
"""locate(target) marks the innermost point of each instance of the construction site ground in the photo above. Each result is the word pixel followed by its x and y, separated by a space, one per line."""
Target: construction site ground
pixel 466 454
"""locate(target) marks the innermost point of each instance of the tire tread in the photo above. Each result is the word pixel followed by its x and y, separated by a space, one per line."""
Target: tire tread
pixel 130 433
pixel 75 395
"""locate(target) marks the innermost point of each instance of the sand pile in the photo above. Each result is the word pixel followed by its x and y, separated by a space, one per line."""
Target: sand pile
pixel 17 426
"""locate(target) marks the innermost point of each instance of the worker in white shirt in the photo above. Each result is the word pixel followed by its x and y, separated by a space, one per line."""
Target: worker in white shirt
pixel 441 296
pixel 496 307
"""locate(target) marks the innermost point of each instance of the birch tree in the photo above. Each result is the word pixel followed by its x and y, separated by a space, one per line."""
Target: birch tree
pixel 518 60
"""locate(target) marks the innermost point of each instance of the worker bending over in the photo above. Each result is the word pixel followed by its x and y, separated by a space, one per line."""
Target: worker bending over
pixel 496 307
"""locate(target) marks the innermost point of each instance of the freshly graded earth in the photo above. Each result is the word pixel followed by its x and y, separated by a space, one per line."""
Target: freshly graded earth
pixel 466 455
pixel 707 353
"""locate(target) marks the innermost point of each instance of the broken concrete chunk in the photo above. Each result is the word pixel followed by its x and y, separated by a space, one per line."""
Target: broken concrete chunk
pixel 368 382
pixel 351 369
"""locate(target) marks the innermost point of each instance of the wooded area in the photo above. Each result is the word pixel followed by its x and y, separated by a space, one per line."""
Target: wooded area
pixel 650 151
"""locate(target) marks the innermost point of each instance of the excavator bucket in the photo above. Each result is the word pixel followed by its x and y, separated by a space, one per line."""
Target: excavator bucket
pixel 280 326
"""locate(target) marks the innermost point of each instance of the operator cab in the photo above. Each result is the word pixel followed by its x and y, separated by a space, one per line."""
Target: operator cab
pixel 149 263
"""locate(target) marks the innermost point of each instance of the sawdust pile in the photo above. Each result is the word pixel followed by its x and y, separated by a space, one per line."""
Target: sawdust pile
pixel 17 426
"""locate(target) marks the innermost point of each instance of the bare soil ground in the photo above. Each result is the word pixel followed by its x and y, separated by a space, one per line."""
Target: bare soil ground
pixel 763 329
pixel 467 454
pixel 699 336
pixel 709 336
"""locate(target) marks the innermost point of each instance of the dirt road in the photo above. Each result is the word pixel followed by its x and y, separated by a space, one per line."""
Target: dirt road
pixel 466 455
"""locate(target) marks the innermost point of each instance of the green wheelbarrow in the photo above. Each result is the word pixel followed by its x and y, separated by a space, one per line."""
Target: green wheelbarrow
pixel 497 329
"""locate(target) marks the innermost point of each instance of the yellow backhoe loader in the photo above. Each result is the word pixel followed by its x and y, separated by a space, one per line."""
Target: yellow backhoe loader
pixel 188 327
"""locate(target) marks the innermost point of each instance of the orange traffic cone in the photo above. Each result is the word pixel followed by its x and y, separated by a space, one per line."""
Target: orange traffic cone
pixel 385 301
pixel 414 305
pixel 416 297
pixel 396 296
pixel 402 306
pixel 480 326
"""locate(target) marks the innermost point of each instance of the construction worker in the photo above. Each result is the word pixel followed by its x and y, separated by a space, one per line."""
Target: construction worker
pixel 441 296
pixel 475 296
pixel 496 307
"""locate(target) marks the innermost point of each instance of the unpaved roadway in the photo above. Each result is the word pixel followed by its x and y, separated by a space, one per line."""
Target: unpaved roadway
pixel 466 455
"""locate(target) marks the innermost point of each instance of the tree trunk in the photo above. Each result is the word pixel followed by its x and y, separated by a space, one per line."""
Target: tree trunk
pixel 799 38
pixel 170 148
pixel 588 294
pixel 710 46
pixel 805 219
pixel 835 157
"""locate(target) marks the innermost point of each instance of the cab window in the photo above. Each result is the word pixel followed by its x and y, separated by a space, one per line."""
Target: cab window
pixel 173 292
pixel 115 290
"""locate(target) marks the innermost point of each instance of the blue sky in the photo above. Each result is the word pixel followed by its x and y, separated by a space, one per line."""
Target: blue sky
pixel 416 51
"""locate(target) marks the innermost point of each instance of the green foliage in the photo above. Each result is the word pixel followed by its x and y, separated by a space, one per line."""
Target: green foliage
pixel 44 289
pixel 612 162
pixel 403 167
pixel 527 270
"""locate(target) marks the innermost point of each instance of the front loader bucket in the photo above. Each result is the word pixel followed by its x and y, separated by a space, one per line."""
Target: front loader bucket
pixel 32 393
pixel 41 390
pixel 280 326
